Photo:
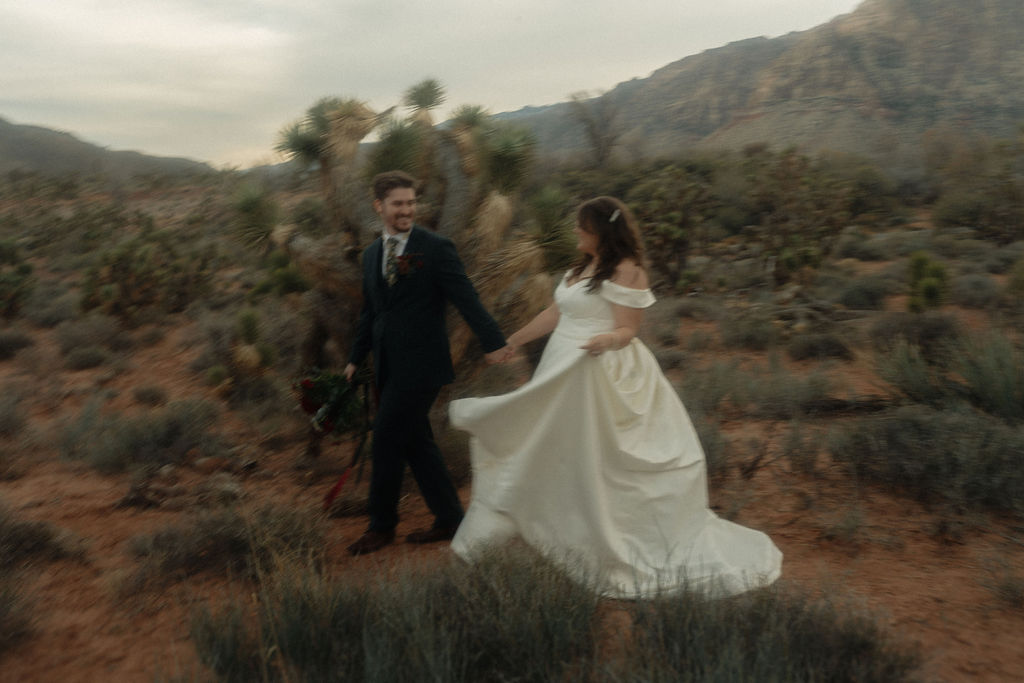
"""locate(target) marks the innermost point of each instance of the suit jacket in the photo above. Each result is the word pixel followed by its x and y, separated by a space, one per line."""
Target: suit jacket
pixel 404 324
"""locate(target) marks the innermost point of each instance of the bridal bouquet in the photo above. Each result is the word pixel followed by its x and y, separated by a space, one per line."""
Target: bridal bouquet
pixel 333 401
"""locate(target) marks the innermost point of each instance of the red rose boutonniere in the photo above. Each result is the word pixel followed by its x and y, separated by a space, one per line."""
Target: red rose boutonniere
pixel 409 264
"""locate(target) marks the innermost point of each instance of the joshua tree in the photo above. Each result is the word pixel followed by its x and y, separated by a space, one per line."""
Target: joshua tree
pixel 329 137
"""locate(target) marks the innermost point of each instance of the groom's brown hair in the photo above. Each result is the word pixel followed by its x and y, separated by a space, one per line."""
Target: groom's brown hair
pixel 389 180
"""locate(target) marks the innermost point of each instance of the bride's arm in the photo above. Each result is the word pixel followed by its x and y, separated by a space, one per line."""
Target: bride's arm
pixel 627 320
pixel 541 325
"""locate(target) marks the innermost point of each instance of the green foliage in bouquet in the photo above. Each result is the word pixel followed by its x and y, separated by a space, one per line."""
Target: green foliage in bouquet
pixel 333 401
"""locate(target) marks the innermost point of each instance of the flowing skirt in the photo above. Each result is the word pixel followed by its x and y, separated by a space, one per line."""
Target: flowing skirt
pixel 596 464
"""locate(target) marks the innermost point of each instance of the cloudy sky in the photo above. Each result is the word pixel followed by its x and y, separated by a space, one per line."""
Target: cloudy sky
pixel 216 80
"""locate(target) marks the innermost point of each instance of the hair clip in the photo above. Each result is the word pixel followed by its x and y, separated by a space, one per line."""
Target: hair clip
pixel 615 214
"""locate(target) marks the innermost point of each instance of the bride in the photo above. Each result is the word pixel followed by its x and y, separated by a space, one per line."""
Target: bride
pixel 594 461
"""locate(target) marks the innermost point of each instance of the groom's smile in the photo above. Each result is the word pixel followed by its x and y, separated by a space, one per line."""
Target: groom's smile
pixel 397 209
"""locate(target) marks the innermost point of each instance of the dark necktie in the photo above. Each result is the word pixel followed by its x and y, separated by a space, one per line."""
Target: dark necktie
pixel 391 261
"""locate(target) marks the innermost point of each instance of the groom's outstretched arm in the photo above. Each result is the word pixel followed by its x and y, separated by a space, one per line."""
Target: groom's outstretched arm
pixel 457 288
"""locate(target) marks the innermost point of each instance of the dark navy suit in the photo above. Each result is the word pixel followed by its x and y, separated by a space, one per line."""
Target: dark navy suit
pixel 404 326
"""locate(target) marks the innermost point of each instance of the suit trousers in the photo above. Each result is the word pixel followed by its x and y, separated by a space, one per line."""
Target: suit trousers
pixel 402 434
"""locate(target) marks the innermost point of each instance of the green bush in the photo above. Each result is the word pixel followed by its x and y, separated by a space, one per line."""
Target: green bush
pixel 11 419
pixel 49 305
pixel 933 333
pixel 12 341
pixel 17 612
pixel 513 616
pixel 506 617
pixel 959 457
pixel 752 329
pixel 114 443
pixel 24 541
pixel 818 346
pixel 866 293
pixel 975 291
pixel 85 357
pixel 928 283
pixel 227 541
pixel 768 635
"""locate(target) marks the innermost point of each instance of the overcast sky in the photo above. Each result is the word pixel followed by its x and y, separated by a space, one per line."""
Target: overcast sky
pixel 216 80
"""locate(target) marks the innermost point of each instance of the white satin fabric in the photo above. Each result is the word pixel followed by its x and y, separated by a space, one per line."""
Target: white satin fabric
pixel 595 463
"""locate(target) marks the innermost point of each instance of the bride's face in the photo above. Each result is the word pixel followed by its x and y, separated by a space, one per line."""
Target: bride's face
pixel 586 240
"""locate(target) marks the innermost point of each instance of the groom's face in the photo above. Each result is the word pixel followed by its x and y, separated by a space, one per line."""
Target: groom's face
pixel 397 209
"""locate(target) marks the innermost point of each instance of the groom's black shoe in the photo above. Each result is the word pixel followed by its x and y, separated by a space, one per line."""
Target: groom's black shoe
pixel 371 542
pixel 433 534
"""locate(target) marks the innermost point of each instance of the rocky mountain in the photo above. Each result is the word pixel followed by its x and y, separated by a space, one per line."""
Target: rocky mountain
pixel 33 148
pixel 870 82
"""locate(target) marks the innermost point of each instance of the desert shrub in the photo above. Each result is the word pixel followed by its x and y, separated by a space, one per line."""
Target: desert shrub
pixel 818 346
pixel 865 293
pixel 752 329
pixel 282 276
pixel 150 395
pixel 774 392
pixel 151 270
pixel 718 449
pixel 960 457
pixel 992 370
pixel 975 291
pixel 959 208
pixel 1006 582
pixel 17 612
pixel 114 443
pixel 12 341
pixel 910 373
pixel 225 540
pixel 854 243
pixel 705 390
pixel 95 330
pixel 11 419
pixel 508 616
pixel 85 357
pixel 24 541
pixel 768 635
pixel 898 243
pixel 1002 260
pixel 933 333
pixel 50 304
pixel 928 282
pixel 16 280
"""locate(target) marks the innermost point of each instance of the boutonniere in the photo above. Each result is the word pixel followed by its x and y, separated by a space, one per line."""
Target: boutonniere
pixel 409 264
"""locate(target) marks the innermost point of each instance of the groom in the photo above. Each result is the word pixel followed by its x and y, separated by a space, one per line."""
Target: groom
pixel 409 274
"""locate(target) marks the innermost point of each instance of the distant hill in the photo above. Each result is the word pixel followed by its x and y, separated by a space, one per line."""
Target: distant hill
pixel 870 82
pixel 33 148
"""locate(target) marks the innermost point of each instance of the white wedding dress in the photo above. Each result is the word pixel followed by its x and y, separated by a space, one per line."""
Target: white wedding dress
pixel 595 463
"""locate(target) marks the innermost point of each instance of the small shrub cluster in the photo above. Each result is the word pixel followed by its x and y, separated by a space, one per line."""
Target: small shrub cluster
pixel 959 457
pixel 867 293
pixel 114 443
pixel 975 291
pixel 818 346
pixel 228 541
pixel 752 329
pixel 928 282
pixel 514 616
pixel 11 419
pixel 11 341
pixel 16 280
pixel 151 270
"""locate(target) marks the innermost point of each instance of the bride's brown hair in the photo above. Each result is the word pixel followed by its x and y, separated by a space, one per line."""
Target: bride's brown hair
pixel 617 238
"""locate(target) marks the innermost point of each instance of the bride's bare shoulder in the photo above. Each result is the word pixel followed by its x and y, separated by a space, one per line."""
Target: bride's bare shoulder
pixel 630 274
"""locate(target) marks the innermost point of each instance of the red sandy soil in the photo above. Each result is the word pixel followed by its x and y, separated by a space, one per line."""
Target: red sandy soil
pixel 881 550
